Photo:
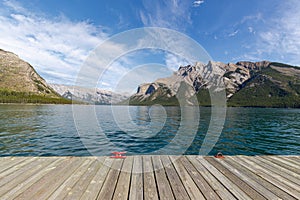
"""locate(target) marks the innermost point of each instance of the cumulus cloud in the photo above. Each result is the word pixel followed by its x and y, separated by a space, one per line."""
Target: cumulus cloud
pixel 63 51
pixel 56 47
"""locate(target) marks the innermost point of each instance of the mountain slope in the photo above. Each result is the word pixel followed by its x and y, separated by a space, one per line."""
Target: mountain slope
pixel 89 95
pixel 263 84
pixel 278 85
pixel 20 83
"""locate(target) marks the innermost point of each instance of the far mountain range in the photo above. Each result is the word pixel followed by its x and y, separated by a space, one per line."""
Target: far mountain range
pixel 253 84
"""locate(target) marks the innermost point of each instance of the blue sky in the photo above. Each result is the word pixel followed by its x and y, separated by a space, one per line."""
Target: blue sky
pixel 56 36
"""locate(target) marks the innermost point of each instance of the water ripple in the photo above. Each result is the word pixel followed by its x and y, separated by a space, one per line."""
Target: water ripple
pixel 49 130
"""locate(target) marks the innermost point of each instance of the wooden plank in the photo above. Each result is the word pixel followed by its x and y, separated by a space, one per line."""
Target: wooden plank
pixel 280 163
pixel 107 191
pixel 136 187
pixel 7 164
pixel 292 156
pixel 291 161
pixel 287 163
pixel 235 179
pixel 77 191
pixel 23 186
pixel 261 185
pixel 17 170
pixel 248 177
pixel 47 184
pixel 175 181
pixel 97 182
pixel 150 191
pixel 163 185
pixel 16 181
pixel 63 190
pixel 277 169
pixel 296 158
pixel 272 178
pixel 266 177
pixel 234 189
pixel 9 159
pixel 53 181
pixel 214 183
pixel 123 185
pixel 191 188
pixel 6 159
pixel 202 184
pixel 11 165
pixel 283 180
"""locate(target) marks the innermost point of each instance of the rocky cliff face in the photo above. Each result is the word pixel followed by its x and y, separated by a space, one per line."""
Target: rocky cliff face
pixel 201 76
pixel 236 78
pixel 237 74
pixel 89 95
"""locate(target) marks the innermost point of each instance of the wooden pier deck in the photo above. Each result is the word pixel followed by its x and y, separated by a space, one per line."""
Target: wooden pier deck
pixel 150 177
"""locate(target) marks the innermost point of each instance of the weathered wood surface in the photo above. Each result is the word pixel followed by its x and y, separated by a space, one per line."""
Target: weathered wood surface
pixel 150 177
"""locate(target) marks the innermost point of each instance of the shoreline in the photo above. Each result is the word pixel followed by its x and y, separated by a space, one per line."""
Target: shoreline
pixel 49 104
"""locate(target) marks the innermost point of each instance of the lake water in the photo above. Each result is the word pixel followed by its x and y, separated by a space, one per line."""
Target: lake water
pixel 50 130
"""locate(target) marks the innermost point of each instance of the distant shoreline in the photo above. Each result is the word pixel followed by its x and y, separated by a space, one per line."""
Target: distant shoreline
pixel 49 104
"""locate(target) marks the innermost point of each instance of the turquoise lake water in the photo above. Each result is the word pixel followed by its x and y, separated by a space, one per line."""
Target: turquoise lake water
pixel 50 130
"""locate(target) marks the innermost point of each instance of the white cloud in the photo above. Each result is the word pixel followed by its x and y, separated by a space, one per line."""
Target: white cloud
pixel 14 5
pixel 251 30
pixel 145 73
pixel 233 33
pixel 276 34
pixel 173 61
pixel 252 18
pixel 59 48
pixel 173 14
pixel 56 47
pixel 197 3
pixel 280 38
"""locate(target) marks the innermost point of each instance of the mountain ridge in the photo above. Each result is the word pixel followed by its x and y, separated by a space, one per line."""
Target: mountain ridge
pixel 245 83
pixel 89 95
pixel 20 83
pixel 253 84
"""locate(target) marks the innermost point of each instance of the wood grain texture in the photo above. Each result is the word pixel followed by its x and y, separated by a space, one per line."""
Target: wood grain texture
pixel 150 177
pixel 150 190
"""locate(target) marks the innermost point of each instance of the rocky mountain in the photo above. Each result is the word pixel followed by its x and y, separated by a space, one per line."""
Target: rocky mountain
pixel 20 83
pixel 89 95
pixel 264 84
